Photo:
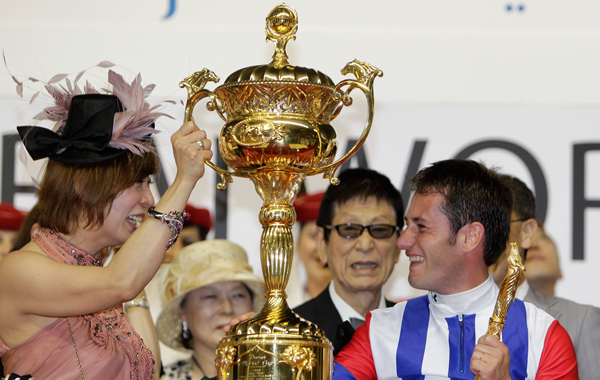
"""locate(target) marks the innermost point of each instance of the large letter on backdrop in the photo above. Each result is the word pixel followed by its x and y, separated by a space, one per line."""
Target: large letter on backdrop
pixel 220 200
pixel 359 156
pixel 579 201
pixel 9 187
pixel 412 169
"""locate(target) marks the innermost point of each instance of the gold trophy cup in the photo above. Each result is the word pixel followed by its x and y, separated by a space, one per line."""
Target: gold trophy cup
pixel 276 133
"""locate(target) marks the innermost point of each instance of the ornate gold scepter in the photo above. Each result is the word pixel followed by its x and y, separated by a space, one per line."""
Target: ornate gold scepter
pixel 508 289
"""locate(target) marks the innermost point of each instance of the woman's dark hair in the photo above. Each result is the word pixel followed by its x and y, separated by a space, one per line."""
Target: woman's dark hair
pixel 76 196
pixel 188 341
pixel 473 193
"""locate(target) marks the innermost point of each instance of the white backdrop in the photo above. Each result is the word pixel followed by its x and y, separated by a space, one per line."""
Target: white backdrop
pixel 456 73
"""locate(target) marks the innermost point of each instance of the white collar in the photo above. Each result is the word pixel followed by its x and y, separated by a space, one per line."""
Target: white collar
pixel 467 302
pixel 346 311
pixel 522 290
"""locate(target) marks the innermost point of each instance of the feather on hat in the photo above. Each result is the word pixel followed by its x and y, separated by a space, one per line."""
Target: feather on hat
pixel 92 126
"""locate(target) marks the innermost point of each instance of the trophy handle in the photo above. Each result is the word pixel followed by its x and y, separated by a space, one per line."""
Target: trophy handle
pixel 365 76
pixel 195 87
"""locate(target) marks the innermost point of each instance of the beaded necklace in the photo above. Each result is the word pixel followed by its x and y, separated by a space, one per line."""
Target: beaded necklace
pixel 71 252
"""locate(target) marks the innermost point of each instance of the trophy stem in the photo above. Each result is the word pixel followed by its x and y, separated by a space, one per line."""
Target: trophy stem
pixel 277 216
pixel 275 344
pixel 276 251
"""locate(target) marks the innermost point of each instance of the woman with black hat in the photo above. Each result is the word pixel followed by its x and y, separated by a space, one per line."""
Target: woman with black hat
pixel 60 310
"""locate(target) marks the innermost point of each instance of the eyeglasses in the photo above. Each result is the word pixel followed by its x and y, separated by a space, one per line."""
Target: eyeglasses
pixel 519 220
pixel 352 231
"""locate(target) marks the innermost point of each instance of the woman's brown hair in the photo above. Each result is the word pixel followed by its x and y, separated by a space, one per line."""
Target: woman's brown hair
pixel 74 194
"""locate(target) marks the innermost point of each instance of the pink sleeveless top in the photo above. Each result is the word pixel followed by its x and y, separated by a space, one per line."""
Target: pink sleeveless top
pixel 107 345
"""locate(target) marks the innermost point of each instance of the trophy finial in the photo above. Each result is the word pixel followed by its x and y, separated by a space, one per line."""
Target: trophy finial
pixel 282 24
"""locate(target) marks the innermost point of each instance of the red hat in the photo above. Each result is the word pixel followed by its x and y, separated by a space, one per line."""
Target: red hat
pixel 307 206
pixel 199 216
pixel 10 217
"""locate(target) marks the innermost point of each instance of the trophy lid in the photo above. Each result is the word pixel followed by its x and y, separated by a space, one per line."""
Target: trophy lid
pixel 287 73
pixel 282 24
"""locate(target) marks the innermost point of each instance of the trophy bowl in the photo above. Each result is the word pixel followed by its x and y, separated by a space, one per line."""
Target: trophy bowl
pixel 277 124
pixel 277 131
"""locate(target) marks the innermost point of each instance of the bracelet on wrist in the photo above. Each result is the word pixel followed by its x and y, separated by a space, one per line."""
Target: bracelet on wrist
pixel 139 302
pixel 173 219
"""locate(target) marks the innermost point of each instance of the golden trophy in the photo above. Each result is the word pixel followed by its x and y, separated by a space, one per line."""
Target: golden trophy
pixel 276 133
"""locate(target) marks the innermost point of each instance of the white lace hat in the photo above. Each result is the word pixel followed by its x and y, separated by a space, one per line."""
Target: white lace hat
pixel 198 265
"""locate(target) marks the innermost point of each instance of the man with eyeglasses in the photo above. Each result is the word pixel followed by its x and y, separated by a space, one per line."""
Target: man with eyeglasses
pixel 582 322
pixel 458 224
pixel 358 224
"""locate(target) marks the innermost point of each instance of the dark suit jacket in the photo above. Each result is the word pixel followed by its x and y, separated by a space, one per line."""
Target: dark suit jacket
pixel 582 322
pixel 321 311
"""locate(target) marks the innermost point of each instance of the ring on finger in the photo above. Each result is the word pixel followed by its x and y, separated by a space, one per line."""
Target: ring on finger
pixel 200 144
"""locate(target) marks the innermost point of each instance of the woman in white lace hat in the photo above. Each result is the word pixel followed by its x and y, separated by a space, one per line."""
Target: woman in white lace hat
pixel 209 283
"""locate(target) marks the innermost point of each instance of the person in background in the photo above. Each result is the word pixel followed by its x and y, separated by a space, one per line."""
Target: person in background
pixel 194 230
pixel 522 225
pixel 542 263
pixel 208 284
pixel 314 272
pixel 359 221
pixel 61 313
pixel 458 223
pixel 11 220
pixel 581 322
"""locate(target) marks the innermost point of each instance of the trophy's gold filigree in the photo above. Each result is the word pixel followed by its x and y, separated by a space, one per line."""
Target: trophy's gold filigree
pixel 300 359
pixel 282 25
pixel 196 82
pixel 224 360
pixel 277 132
pixel 363 71
pixel 508 289
pixel 256 131
pixel 240 99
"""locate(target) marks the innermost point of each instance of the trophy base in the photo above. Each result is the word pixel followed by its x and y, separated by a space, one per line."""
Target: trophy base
pixel 261 348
